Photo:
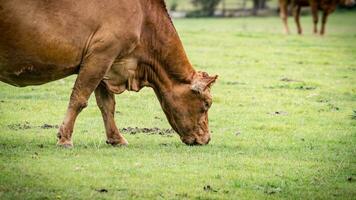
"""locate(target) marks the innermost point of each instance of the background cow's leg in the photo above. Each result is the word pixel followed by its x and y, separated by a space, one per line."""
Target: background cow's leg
pixel 91 73
pixel 106 102
pixel 283 12
pixel 314 10
pixel 296 13
pixel 323 22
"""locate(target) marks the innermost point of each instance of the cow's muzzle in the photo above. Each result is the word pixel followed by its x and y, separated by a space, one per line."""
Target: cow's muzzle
pixel 194 141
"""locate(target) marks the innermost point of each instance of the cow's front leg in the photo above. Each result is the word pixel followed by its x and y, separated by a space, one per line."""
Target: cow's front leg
pixel 323 22
pixel 314 11
pixel 106 102
pixel 92 71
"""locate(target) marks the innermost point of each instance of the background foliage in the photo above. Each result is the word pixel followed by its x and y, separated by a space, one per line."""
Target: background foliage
pixel 206 7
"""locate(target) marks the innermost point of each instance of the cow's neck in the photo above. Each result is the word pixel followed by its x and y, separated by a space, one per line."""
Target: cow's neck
pixel 164 60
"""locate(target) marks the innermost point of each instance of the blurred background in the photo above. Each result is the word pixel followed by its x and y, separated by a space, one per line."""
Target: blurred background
pixel 228 8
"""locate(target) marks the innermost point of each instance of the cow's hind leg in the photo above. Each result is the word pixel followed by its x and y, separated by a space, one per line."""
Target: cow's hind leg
pixel 296 13
pixel 323 22
pixel 283 13
pixel 106 102
pixel 95 64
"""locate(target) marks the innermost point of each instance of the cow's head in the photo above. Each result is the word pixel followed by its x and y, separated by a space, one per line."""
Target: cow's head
pixel 186 108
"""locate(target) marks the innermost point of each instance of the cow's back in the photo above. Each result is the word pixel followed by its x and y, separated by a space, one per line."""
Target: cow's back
pixel 44 40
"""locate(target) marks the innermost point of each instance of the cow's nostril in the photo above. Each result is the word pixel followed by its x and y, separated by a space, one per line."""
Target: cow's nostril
pixel 193 143
pixel 207 142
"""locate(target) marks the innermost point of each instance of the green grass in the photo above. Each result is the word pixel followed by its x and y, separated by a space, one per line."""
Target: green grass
pixel 296 140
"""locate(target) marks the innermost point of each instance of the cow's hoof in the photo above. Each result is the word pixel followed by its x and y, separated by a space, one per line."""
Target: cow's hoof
pixel 66 145
pixel 122 143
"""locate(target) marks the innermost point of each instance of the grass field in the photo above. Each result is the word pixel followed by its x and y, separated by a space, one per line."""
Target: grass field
pixel 283 123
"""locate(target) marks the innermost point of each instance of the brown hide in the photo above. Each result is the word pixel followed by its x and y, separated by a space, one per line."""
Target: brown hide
pixel 326 6
pixel 113 46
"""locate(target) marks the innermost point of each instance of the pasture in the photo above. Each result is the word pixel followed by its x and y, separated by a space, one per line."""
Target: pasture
pixel 283 124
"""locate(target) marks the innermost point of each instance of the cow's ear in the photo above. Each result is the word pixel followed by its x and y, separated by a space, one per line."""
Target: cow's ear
pixel 202 82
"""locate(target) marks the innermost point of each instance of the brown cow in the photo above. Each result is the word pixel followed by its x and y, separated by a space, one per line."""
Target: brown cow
pixel 113 46
pixel 326 6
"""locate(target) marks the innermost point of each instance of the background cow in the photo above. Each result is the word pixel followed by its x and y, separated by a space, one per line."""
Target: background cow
pixel 326 6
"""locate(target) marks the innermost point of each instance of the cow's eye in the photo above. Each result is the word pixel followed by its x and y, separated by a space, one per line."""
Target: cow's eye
pixel 206 105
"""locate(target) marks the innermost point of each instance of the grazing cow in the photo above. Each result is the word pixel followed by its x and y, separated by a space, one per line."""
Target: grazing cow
pixel 326 6
pixel 113 46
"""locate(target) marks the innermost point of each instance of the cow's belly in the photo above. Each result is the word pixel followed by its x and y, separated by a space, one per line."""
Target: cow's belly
pixel 35 62
pixel 34 74
pixel 23 72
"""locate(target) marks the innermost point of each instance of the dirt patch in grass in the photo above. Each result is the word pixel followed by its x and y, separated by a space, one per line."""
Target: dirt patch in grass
pixel 26 125
pixel 269 189
pixel 128 130
pixel 20 126
pixel 290 80
pixel 278 113
pixel 294 85
pixel 150 131
pixel 102 190
pixel 208 188
pixel 235 83
pixel 49 126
